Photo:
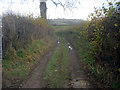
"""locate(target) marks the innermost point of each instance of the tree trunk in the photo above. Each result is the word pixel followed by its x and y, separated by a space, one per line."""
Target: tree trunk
pixel 43 9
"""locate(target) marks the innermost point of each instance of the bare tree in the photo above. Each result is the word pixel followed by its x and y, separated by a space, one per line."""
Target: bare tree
pixel 66 4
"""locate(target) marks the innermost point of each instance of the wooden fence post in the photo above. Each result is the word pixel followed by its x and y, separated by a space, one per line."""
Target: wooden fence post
pixel 0 52
pixel 0 38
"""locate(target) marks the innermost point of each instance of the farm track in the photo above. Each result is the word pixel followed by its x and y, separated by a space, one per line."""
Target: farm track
pixel 36 78
pixel 77 78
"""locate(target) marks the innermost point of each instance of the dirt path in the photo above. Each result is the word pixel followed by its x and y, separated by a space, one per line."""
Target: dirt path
pixel 36 78
pixel 78 77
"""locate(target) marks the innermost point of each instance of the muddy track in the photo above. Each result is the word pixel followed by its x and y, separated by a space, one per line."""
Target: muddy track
pixel 36 78
pixel 77 77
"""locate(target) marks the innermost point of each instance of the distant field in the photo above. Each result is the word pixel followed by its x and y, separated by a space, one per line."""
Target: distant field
pixel 61 27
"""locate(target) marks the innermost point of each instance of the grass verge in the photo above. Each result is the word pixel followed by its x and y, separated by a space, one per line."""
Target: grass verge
pixel 18 64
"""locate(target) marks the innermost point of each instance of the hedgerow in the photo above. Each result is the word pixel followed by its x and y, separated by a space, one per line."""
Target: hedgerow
pixel 20 31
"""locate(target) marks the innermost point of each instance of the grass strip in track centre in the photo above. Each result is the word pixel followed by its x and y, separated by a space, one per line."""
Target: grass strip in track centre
pixel 57 68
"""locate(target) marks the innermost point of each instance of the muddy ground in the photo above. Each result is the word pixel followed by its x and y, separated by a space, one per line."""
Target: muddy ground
pixel 78 77
pixel 35 80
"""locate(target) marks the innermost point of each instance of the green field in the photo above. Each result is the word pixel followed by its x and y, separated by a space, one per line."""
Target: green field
pixel 61 27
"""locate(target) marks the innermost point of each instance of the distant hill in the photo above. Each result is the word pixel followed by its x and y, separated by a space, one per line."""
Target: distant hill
pixel 65 21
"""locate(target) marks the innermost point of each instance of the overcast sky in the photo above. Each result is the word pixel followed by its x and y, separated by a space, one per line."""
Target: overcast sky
pixel 53 12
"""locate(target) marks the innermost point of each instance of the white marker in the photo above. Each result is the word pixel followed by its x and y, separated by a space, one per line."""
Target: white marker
pixel 70 48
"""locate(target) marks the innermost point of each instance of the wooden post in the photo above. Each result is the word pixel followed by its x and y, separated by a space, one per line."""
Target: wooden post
pixel 0 52
pixel 0 38
pixel 43 8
